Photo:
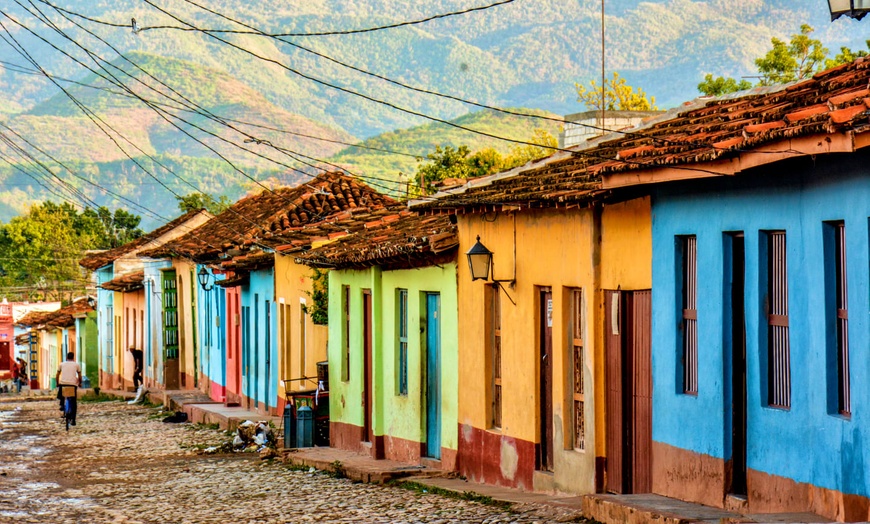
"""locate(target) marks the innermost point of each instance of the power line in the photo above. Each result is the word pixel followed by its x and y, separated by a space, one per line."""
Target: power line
pixel 137 29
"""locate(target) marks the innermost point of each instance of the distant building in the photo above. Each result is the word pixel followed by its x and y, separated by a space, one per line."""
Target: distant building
pixel 580 127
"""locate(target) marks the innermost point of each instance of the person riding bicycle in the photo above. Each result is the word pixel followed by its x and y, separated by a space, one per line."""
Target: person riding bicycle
pixel 69 373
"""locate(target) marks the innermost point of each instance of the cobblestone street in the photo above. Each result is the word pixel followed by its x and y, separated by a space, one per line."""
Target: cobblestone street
pixel 122 464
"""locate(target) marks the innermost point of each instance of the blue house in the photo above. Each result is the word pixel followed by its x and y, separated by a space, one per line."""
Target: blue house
pixel 761 209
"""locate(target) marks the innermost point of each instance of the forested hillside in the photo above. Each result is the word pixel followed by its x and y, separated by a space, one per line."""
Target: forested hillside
pixel 212 86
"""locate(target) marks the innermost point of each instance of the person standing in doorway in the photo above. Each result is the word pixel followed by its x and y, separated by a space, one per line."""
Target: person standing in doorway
pixel 15 381
pixel 138 359
pixel 22 373
pixel 69 373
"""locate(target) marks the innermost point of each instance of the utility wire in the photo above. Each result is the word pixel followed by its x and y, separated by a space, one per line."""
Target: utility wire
pixel 137 29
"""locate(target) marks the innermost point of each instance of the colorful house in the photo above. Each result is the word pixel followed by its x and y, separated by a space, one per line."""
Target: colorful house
pixel 53 336
pixel 554 347
pixel 761 203
pixel 393 345
pixel 121 326
pixel 260 303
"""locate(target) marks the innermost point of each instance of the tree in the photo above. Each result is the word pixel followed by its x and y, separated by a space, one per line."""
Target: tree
pixel 800 58
pixel 618 96
pixel 721 86
pixel 447 162
pixel 197 201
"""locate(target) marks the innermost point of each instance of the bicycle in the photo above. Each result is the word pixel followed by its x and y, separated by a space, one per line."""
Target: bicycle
pixel 69 405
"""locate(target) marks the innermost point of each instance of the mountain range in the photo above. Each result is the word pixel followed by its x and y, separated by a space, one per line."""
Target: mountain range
pixel 271 108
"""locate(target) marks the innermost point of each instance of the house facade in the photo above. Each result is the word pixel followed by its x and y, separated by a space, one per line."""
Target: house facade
pixel 760 295
pixel 393 345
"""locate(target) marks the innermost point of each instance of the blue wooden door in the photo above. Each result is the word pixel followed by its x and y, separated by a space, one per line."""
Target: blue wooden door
pixel 433 375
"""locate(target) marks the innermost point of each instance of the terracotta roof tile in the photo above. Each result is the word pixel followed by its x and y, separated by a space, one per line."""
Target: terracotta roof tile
pixel 95 261
pixel 263 218
pixel 63 317
pixel 126 283
pixel 699 131
pixel 412 241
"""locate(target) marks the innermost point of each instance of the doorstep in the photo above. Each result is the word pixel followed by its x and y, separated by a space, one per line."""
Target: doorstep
pixel 356 466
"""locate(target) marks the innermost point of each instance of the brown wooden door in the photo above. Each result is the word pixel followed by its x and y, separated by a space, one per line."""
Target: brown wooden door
pixel 367 366
pixel 545 448
pixel 641 391
pixel 628 355
pixel 613 386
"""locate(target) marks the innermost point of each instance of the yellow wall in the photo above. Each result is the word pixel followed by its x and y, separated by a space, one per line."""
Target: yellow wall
pixel 626 263
pixel 553 248
pixel 292 281
pixel 118 305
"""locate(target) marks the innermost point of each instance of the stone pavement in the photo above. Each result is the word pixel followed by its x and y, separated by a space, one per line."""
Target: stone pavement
pixel 607 509
pixel 121 464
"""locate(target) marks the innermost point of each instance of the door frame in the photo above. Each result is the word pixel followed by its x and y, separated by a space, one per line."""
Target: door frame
pixel 546 445
pixel 367 373
pixel 432 374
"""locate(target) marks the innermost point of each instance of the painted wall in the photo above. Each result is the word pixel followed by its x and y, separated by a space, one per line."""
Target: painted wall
pixel 553 248
pixel 234 345
pixel 105 326
pixel 400 418
pixel 790 452
pixel 153 351
pixel 212 335
pixel 259 363
pixel 189 359
pixel 87 346
pixel 301 343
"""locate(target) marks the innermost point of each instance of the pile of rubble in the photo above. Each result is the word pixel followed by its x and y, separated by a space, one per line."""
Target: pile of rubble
pixel 250 437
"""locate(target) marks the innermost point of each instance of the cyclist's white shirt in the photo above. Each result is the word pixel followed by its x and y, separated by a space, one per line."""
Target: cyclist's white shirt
pixel 69 372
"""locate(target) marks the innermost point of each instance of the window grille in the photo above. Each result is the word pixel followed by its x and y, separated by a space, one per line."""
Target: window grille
pixel 779 358
pixel 578 359
pixel 494 335
pixel 690 314
pixel 844 403
pixel 403 342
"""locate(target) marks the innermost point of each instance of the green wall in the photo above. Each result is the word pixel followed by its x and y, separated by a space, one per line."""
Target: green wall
pixel 396 415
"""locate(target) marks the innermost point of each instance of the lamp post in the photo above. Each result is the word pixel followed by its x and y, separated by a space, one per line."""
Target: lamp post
pixel 856 9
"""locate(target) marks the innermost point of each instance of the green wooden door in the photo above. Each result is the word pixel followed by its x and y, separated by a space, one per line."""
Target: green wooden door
pixel 170 330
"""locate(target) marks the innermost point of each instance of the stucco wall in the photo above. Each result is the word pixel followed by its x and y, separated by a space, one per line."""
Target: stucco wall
pixel 805 443
pixel 292 284
pixel 259 364
pixel 212 334
pixel 553 248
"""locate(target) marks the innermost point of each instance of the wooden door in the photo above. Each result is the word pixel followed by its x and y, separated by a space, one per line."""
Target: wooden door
pixel 6 357
pixel 628 373
pixel 170 330
pixel 640 375
pixel 545 382
pixel 267 376
pixel 613 390
pixel 433 375
pixel 367 367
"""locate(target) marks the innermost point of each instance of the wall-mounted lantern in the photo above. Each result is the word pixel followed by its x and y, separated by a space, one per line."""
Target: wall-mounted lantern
pixel 856 9
pixel 479 261
pixel 480 265
pixel 91 301
pixel 204 278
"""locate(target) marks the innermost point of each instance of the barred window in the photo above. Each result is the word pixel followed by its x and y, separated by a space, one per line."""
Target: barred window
pixel 689 324
pixel 778 349
pixel 493 334
pixel 402 302
pixel 577 358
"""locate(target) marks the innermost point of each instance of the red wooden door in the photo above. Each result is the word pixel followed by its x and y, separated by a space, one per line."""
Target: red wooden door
pixel 234 336
pixel 545 451
pixel 641 391
pixel 367 366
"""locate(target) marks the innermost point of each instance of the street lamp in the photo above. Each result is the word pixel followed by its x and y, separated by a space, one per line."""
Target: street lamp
pixel 204 276
pixel 480 264
pixel 856 9
pixel 479 261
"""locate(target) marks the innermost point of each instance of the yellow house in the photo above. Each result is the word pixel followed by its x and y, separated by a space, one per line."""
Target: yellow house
pixel 542 338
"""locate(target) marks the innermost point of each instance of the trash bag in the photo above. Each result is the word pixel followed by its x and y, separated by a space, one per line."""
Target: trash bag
pixel 176 418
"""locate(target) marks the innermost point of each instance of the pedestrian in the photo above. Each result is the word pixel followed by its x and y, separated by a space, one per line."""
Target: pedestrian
pixel 69 373
pixel 138 359
pixel 22 373
pixel 15 371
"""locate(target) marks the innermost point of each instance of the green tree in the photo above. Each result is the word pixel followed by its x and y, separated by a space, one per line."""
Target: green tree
pixel 197 201
pixel 845 56
pixel 544 145
pixel 618 96
pixel 721 86
pixel 801 58
pixel 445 162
